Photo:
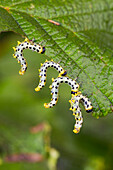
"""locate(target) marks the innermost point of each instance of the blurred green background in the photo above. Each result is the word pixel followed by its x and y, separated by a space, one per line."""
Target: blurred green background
pixel 21 107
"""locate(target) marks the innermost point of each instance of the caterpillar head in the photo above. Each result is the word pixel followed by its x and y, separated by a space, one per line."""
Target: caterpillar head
pixel 42 50
pixel 76 130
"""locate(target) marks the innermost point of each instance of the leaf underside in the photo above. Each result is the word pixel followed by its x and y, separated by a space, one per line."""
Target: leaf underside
pixel 81 43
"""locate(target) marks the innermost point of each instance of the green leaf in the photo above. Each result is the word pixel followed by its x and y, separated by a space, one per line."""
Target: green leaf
pixel 82 43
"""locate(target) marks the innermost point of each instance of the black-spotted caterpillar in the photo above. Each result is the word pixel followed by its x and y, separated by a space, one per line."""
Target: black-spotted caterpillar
pixel 26 44
pixel 76 94
pixel 75 100
pixel 54 89
pixel 43 70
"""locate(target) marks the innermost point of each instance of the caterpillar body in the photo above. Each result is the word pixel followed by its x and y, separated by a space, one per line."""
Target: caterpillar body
pixel 43 70
pixel 54 89
pixel 26 44
pixel 75 100
pixel 79 121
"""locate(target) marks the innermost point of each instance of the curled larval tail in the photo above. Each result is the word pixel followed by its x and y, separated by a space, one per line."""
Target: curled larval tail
pixel 26 44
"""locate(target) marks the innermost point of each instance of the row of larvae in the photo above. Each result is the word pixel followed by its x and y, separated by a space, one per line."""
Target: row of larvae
pixel 26 44
pixel 76 94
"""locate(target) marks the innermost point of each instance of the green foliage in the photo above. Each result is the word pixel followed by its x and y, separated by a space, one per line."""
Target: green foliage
pixel 22 108
pixel 82 43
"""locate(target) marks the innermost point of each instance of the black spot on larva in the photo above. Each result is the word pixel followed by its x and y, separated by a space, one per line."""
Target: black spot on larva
pixel 64 73
pixel 90 110
pixel 72 92
pixel 55 92
pixel 82 99
pixel 34 48
pixel 55 99
pixel 37 50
